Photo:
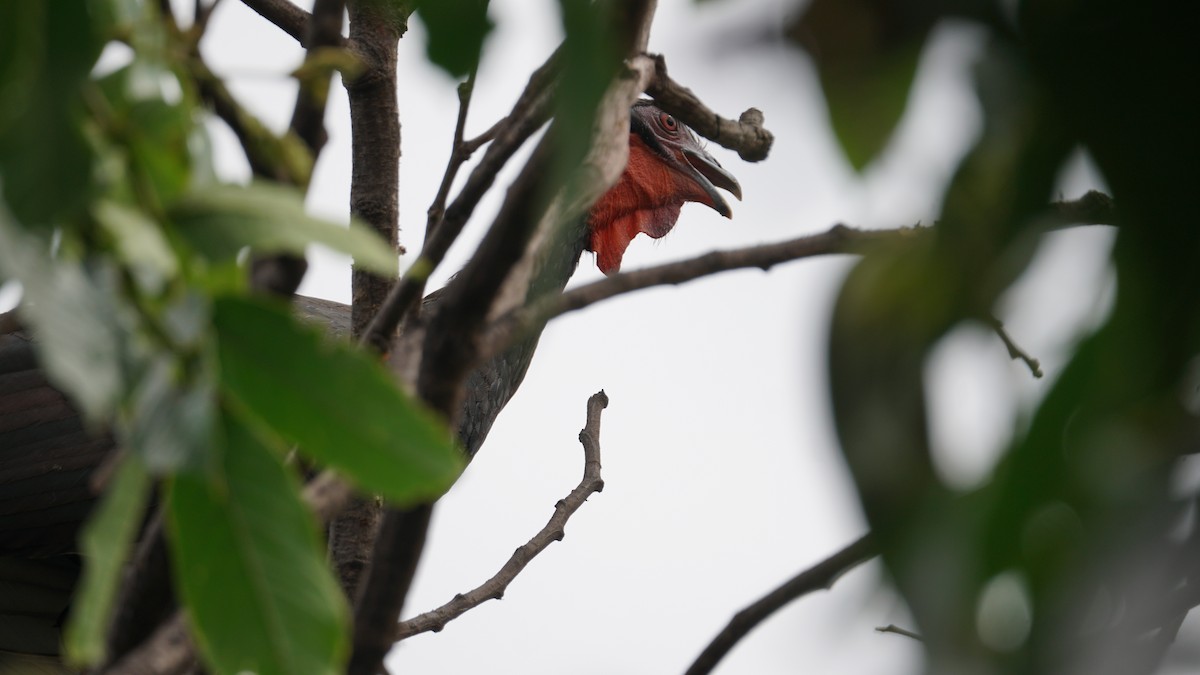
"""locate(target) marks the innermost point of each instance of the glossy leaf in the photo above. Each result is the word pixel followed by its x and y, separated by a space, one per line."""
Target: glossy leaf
pixel 338 404
pixel 107 543
pixel 250 565
pixel 219 221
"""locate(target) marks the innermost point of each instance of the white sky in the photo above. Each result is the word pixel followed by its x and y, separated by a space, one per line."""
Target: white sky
pixel 723 476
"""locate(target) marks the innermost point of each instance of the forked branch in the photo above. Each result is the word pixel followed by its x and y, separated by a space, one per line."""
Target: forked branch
pixel 436 619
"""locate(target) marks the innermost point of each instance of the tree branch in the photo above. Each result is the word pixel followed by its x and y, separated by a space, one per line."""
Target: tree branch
pixel 287 16
pixel 493 588
pixel 746 136
pixel 530 112
pixel 821 576
pixel 1015 352
pixel 839 239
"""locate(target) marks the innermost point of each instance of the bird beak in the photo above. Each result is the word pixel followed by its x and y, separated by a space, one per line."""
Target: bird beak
pixel 710 175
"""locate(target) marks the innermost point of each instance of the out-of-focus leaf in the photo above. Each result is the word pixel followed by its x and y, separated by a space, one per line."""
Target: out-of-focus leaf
pixel 866 52
pixel 148 114
pixel 46 51
pixel 76 321
pixel 139 242
pixel 591 56
pixel 107 541
pixel 172 420
pixel 219 221
pixel 456 30
pixel 250 565
pixel 339 405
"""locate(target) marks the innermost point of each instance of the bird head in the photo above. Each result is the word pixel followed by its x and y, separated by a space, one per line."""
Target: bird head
pixel 667 167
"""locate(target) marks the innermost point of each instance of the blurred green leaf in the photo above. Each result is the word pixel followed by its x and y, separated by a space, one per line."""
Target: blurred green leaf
pixel 591 54
pixel 106 541
pixel 457 29
pixel 866 52
pixel 149 115
pixel 219 221
pixel 47 49
pixel 250 565
pixel 139 242
pixel 76 321
pixel 866 105
pixel 337 403
pixel 172 419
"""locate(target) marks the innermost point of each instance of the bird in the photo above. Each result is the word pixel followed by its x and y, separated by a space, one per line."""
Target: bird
pixel 48 457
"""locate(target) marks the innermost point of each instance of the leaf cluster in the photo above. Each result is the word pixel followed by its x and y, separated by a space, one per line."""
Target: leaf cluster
pixel 131 256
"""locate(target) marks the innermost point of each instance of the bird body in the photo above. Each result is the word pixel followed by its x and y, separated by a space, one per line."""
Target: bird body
pixel 47 458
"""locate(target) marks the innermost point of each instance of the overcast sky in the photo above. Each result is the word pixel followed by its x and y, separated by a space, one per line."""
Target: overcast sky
pixel 722 473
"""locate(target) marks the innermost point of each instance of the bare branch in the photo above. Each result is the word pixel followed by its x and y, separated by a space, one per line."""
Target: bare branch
pixel 494 588
pixel 287 16
pixel 530 112
pixel 1015 352
pixel 746 136
pixel 838 239
pixel 458 155
pixel 821 576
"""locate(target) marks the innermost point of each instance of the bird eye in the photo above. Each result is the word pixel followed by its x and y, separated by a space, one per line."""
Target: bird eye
pixel 668 122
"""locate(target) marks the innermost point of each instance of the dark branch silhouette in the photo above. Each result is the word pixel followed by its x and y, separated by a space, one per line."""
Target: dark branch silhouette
pixel 821 576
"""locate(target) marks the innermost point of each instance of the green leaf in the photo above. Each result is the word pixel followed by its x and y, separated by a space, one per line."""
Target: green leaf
pixel 865 105
pixel 171 426
pixel 139 242
pixel 337 403
pixel 456 30
pixel 47 49
pixel 591 59
pixel 76 321
pixel 219 221
pixel 250 565
pixel 106 541
pixel 866 53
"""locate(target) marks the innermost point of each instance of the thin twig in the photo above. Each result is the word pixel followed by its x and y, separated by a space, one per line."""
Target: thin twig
pixel 893 628
pixel 818 577
pixel 1015 352
pixel 458 155
pixel 494 588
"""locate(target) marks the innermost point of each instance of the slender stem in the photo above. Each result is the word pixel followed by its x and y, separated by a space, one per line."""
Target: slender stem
pixel 821 576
